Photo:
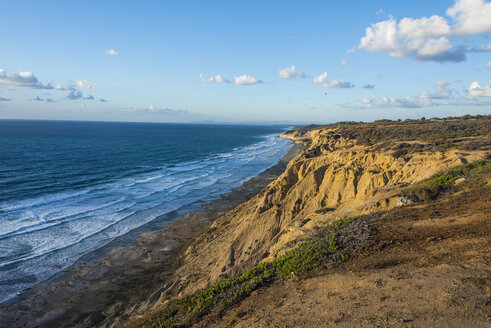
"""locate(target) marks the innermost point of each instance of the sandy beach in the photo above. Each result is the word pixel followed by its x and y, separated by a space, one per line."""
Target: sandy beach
pixel 125 274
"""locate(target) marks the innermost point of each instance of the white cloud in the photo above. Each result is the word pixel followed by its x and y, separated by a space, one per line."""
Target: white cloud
pixel 218 78
pixel 290 73
pixel 323 81
pixel 246 80
pixel 398 102
pixel 442 92
pixel 471 17
pixel 442 96
pixel 427 38
pixel 238 80
pixel 344 63
pixel 379 12
pixel 434 26
pixel 434 47
pixel 161 110
pixel 412 102
pixel 27 79
pixel 488 65
pixel 385 102
pixel 84 84
pixel 111 52
pixel 477 90
pixel 381 37
pixel 386 37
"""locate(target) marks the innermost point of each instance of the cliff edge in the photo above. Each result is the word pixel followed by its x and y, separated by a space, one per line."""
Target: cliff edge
pixel 342 220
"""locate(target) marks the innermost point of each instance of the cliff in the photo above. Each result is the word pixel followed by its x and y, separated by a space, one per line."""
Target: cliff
pixel 343 171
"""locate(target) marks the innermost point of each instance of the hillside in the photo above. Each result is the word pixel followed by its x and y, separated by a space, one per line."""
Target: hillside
pixel 371 224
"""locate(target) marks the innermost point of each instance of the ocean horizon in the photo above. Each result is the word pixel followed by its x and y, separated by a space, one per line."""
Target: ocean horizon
pixel 68 188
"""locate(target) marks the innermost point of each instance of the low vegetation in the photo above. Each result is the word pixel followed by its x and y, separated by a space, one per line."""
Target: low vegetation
pixel 450 135
pixel 309 255
pixel 435 132
pixel 429 189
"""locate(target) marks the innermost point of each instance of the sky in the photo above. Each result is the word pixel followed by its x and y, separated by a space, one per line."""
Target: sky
pixel 244 61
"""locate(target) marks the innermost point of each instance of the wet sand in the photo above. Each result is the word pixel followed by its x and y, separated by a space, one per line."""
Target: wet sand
pixel 112 284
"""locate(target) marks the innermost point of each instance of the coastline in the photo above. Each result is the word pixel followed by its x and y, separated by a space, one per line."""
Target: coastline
pixel 128 271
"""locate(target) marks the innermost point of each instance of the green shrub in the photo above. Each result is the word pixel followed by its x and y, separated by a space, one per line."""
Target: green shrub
pixel 429 189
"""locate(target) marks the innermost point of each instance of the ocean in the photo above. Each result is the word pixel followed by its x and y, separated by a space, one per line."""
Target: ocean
pixel 70 188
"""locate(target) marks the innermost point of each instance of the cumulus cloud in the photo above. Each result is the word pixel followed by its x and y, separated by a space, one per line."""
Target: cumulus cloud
pixel 428 38
pixel 488 65
pixel 344 63
pixel 4 99
pixel 471 17
pixel 84 84
pixel 290 73
pixel 369 86
pixel 420 28
pixel 238 80
pixel 103 100
pixel 386 37
pixel 218 78
pixel 477 90
pixel 323 81
pixel 27 79
pixel 442 92
pixel 246 80
pixel 111 52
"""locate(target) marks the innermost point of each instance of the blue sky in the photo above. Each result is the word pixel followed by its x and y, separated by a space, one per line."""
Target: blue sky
pixel 244 61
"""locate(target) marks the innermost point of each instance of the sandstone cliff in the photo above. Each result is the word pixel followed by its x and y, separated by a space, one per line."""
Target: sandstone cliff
pixel 342 171
pixel 333 177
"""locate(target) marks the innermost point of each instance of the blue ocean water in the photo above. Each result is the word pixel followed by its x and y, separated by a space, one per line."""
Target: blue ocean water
pixel 69 188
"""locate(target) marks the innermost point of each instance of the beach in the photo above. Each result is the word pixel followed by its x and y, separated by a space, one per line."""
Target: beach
pixel 126 273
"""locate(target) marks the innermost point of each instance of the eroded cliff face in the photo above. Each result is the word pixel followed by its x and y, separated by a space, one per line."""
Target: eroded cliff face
pixel 333 177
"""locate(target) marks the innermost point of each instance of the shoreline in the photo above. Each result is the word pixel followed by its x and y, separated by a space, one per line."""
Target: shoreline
pixel 126 268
